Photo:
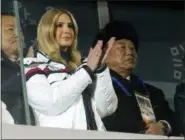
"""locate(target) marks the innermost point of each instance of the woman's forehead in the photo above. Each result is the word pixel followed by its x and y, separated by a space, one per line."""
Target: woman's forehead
pixel 64 18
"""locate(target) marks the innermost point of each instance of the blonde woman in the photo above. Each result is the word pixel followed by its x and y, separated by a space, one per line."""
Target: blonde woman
pixel 63 92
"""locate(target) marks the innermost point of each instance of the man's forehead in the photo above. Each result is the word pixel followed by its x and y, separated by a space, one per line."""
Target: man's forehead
pixel 8 20
pixel 124 40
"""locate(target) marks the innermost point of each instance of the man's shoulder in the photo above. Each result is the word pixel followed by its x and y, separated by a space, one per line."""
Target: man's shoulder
pixel 155 93
pixel 152 90
pixel 149 86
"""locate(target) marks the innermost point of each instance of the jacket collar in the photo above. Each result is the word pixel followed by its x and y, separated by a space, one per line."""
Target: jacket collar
pixel 6 62
pixel 43 57
pixel 128 79
pixel 4 57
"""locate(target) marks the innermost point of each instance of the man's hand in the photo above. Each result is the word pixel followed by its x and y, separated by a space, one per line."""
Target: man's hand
pixel 155 129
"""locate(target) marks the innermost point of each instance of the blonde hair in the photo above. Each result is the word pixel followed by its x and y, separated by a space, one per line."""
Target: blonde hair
pixel 47 42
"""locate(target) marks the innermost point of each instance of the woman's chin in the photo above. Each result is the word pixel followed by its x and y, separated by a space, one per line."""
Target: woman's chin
pixel 64 48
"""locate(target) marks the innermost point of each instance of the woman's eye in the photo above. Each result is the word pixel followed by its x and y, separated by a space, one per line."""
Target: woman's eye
pixel 71 25
pixel 60 25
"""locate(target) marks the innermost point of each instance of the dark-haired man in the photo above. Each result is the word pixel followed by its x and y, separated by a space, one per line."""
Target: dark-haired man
pixel 11 87
pixel 142 108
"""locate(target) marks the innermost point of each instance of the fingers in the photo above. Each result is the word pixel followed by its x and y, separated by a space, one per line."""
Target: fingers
pixel 148 132
pixel 90 50
pixel 98 45
pixel 98 48
pixel 154 129
pixel 111 41
pixel 95 55
pixel 148 125
pixel 150 129
pixel 90 53
pixel 97 51
pixel 110 45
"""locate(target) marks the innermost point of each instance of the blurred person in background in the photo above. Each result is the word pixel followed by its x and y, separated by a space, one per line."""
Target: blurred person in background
pixel 179 103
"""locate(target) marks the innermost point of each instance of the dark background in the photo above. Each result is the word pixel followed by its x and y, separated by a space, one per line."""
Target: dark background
pixel 160 26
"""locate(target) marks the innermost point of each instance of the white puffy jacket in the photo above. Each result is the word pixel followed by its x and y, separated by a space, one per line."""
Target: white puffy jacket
pixel 6 116
pixel 56 96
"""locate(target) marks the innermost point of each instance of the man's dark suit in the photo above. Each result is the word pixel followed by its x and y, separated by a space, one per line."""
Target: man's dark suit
pixel 127 117
pixel 11 90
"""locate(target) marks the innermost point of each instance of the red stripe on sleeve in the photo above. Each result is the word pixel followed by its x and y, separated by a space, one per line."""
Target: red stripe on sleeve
pixel 34 70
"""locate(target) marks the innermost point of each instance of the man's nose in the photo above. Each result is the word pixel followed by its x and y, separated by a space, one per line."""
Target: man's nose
pixel 16 32
pixel 21 36
pixel 128 50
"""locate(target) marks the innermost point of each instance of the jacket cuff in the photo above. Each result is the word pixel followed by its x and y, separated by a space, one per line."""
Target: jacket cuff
pixel 101 69
pixel 166 127
pixel 89 71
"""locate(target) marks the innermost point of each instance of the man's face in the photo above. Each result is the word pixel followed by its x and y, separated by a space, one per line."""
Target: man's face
pixel 122 55
pixel 9 36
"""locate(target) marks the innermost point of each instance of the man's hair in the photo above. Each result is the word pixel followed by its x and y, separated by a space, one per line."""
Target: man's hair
pixel 11 13
pixel 7 13
pixel 119 29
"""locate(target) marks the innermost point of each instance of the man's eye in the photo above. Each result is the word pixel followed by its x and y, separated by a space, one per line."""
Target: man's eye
pixel 10 29
pixel 132 47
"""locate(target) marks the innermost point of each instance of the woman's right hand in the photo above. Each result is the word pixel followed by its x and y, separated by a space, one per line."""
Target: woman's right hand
pixel 94 55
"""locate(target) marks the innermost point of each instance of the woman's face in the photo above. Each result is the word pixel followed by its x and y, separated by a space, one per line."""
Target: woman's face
pixel 64 32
